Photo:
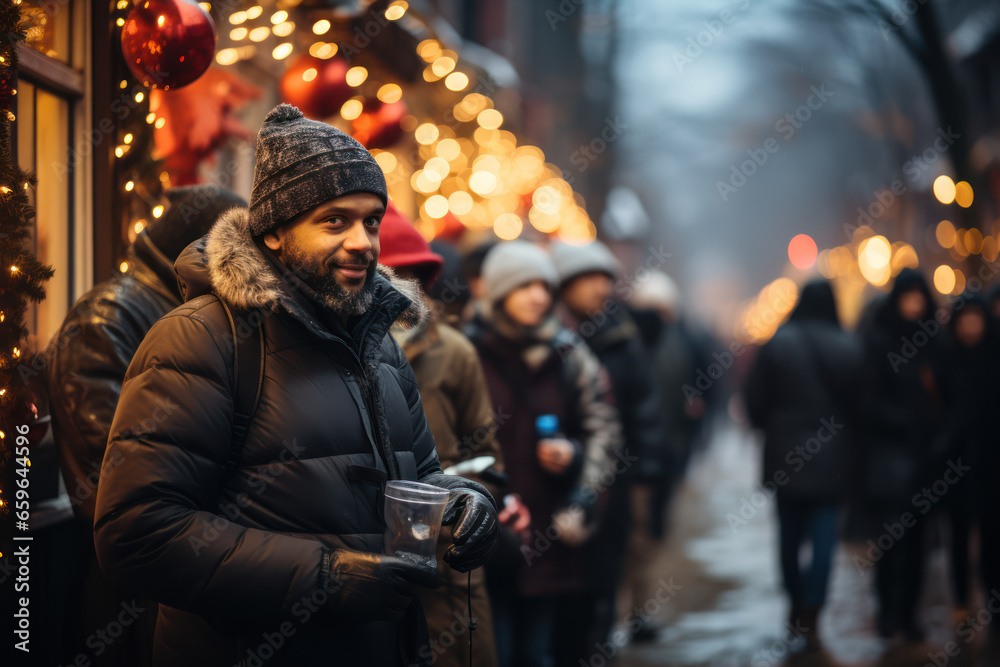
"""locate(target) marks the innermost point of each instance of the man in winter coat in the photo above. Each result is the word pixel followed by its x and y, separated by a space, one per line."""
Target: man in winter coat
pixel 536 368
pixel 586 276
pixel 457 405
pixel 269 553
pixel 802 392
pixel 88 359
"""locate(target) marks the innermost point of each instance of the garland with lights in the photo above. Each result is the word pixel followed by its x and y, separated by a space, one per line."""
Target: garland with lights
pixel 22 276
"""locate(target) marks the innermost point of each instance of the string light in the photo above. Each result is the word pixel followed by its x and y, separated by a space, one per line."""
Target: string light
pixel 14 269
pixel 396 10
pixel 129 186
pixel 139 97
pixel 282 51
pixel 123 267
pixel 128 138
pixel 157 211
pixel 279 17
pixel 321 27
pixel 4 189
pixel 17 352
pixel 356 76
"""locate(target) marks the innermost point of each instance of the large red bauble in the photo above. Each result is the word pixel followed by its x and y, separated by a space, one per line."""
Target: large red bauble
pixel 379 126
pixel 168 43
pixel 317 87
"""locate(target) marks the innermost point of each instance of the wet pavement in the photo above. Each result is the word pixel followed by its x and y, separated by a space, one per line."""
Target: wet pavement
pixel 729 609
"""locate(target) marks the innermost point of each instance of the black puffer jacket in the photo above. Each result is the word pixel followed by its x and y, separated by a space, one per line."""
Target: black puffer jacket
pixel 802 392
pixel 236 563
pixel 88 359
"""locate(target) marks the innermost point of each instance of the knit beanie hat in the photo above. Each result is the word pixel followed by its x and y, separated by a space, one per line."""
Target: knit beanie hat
pixel 192 211
pixel 401 245
pixel 575 260
pixel 302 163
pixel 510 265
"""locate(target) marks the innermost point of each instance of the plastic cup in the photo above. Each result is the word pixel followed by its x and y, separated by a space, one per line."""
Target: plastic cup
pixel 413 513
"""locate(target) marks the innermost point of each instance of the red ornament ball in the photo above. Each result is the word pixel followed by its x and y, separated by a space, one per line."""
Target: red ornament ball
pixel 168 43
pixel 317 87
pixel 380 125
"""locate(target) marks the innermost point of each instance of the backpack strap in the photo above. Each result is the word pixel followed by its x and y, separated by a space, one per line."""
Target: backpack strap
pixel 248 377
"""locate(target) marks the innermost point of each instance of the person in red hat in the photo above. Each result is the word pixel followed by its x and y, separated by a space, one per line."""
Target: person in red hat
pixel 459 413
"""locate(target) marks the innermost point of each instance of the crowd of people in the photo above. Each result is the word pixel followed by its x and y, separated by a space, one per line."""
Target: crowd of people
pixel 889 423
pixel 262 369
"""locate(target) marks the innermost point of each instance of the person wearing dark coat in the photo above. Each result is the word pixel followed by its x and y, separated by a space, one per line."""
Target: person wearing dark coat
pixel 88 358
pixel 973 438
pixel 537 370
pixel 457 404
pixel 801 392
pixel 271 552
pixel 903 435
pixel 587 275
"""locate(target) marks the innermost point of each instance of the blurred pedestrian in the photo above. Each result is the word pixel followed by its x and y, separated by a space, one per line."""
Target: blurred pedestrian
pixel 802 393
pixel 259 528
pixel 587 275
pixel 973 437
pixel 88 359
pixel 904 416
pixel 457 404
pixel 557 428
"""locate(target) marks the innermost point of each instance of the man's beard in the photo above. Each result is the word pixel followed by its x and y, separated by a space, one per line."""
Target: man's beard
pixel 319 276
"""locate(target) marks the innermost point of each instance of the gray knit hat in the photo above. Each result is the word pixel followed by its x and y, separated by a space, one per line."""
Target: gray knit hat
pixel 302 163
pixel 510 265
pixel 575 260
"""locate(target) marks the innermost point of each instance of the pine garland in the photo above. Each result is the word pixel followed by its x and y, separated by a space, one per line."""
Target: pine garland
pixel 22 276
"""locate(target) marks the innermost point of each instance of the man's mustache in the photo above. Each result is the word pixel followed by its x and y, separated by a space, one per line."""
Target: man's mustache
pixel 365 262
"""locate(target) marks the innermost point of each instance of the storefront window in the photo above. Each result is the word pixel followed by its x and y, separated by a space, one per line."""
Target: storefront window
pixel 48 28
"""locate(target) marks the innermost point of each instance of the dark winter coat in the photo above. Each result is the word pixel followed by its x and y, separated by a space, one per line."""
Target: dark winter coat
pixel 88 359
pixel 457 404
pixel 549 373
pixel 975 395
pixel 236 562
pixel 905 399
pixel 616 342
pixel 802 393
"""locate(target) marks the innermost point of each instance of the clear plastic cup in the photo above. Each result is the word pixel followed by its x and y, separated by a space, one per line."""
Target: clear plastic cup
pixel 413 513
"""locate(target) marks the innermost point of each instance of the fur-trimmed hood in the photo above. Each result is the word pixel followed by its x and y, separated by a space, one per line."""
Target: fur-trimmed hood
pixel 227 262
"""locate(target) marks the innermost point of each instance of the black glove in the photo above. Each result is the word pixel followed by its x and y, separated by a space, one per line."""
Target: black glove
pixel 371 587
pixel 473 512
